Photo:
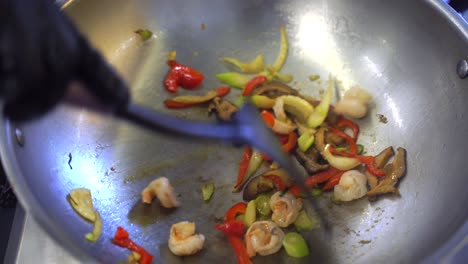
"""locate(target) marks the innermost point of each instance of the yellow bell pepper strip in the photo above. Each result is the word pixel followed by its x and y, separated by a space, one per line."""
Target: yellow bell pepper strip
pixel 341 163
pixel 233 79
pixel 321 110
pixel 253 83
pixel 250 213
pixel 305 141
pixel 252 67
pixel 185 101
pixel 262 101
pixel 283 52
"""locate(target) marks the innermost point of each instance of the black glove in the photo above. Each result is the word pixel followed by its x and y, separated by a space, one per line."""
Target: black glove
pixel 40 53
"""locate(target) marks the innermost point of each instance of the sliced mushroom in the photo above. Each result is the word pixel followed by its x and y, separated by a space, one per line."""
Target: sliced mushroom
pixel 275 89
pixel 310 160
pixel 263 183
pixel 393 172
pixel 223 108
pixel 380 160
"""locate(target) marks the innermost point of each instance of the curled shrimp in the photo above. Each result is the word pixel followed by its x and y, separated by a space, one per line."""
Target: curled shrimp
pixel 183 241
pixel 162 189
pixel 264 238
pixel 285 208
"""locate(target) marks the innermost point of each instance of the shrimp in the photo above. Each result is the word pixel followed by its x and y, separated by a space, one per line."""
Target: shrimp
pixel 264 238
pixel 162 189
pixel 285 208
pixel 352 186
pixel 354 103
pixel 183 241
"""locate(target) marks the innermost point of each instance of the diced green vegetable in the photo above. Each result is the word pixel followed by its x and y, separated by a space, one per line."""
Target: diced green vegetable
pixel 263 204
pixel 207 191
pixel 262 101
pixel 304 222
pixel 254 66
pixel 320 113
pixel 360 149
pixel 239 101
pixel 240 217
pixel 305 141
pixel 316 192
pixel 90 237
pixel 144 34
pixel 233 79
pixel 295 245
pixel 250 213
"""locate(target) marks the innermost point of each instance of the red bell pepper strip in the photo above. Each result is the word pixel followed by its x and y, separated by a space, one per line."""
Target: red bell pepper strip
pixel 334 180
pixel 296 191
pixel 269 118
pixel 244 165
pixel 292 141
pixel 183 76
pixel 321 177
pixel 233 228
pixel 253 83
pixel 343 122
pixel 237 209
pixel 189 101
pixel 240 250
pixel 369 161
pixel 122 239
pixel 352 144
pixel 280 186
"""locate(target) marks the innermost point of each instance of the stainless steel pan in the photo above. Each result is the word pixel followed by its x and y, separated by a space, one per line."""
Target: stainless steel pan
pixel 404 52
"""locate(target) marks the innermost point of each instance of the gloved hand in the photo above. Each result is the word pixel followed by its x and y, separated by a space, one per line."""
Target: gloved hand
pixel 40 53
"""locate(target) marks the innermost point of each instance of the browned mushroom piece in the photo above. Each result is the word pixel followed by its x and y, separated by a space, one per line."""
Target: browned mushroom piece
pixel 275 89
pixel 393 172
pixel 334 139
pixel 310 160
pixel 380 160
pixel 223 108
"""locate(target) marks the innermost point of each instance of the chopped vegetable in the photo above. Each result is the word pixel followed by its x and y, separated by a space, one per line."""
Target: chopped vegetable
pixel 262 101
pixel 276 125
pixel 304 222
pixel 252 84
pixel 192 100
pixel 394 172
pixel 183 241
pixel 283 52
pixel 144 34
pixel 97 229
pixel 254 66
pixel 369 161
pixel 122 239
pixel 316 192
pixel 81 201
pixel 183 76
pixel 298 107
pixel 240 250
pixel 255 161
pixel 239 101
pixel 305 141
pixel 250 213
pixel 321 177
pixel 295 245
pixel 320 113
pixel 207 191
pixel 360 149
pixel 244 165
pixel 346 123
pixel 171 55
pixel 334 180
pixel 233 228
pixel 262 203
pixel 233 79
pixel 238 208
pixel 341 163
pixel 265 183
pixel 314 77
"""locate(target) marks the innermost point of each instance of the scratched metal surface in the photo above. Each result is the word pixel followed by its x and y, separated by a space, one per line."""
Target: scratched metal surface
pixel 384 47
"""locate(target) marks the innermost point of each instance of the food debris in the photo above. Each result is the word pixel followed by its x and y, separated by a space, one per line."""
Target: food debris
pixel 19 137
pixel 70 158
pixel 314 77
pixel 172 55
pixel 144 34
pixel 382 119
pixel 112 168
pixel 203 26
pixel 365 242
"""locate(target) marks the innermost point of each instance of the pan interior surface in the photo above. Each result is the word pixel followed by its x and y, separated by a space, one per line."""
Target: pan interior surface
pixel 406 59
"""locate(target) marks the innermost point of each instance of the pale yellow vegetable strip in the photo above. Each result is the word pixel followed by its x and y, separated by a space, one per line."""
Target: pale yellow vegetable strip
pixel 320 113
pixel 81 201
pixel 251 67
pixel 189 98
pixel 97 229
pixel 339 162
pixel 283 52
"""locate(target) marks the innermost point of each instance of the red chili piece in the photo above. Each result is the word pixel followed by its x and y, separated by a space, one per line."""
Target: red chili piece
pixel 244 166
pixel 238 208
pixel 122 239
pixel 254 82
pixel 183 76
pixel 234 228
